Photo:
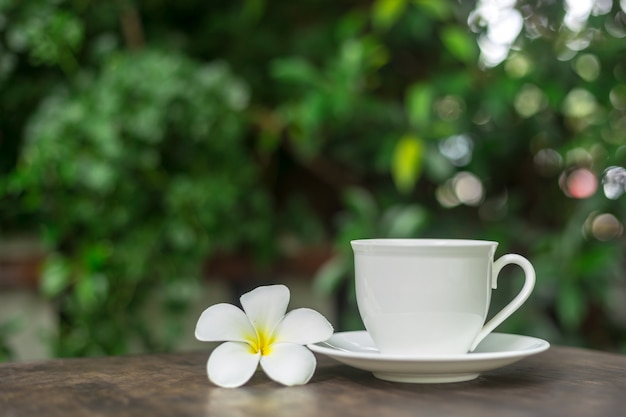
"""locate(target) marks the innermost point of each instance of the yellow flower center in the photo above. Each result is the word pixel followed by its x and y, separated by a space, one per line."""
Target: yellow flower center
pixel 261 342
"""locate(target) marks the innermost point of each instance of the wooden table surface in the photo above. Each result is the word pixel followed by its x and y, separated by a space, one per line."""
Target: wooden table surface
pixel 559 382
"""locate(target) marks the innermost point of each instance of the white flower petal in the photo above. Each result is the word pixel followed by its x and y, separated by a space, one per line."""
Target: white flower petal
pixel 266 306
pixel 232 364
pixel 224 322
pixel 289 364
pixel 303 326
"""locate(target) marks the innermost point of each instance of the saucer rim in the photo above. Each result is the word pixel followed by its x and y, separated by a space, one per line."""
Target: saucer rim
pixel 541 346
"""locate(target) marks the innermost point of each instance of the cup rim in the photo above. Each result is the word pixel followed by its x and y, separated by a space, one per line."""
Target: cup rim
pixel 421 242
pixel 443 247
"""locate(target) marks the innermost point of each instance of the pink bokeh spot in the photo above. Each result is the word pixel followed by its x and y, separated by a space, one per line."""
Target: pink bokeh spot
pixel 579 183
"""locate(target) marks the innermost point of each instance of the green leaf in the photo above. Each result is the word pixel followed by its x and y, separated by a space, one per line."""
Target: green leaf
pixel 295 70
pixel 386 12
pixel 55 276
pixel 351 59
pixel 459 43
pixel 407 162
pixel 439 9
pixel 419 100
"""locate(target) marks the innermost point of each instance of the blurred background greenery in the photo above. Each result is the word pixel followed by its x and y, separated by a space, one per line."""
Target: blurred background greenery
pixel 148 145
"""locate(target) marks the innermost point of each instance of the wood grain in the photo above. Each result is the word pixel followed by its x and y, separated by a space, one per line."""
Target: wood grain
pixel 560 382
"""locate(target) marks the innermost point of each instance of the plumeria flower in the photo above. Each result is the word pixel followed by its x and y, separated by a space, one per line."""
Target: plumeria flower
pixel 262 334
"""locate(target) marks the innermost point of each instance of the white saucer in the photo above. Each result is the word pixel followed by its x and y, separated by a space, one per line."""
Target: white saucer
pixel 497 350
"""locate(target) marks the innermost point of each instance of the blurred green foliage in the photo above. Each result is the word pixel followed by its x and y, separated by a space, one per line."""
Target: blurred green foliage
pixel 142 161
pixel 139 138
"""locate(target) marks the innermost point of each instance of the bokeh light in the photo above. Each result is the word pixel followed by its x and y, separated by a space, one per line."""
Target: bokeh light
pixel 579 103
pixel 530 100
pixel 577 43
pixel 503 25
pixel 445 195
pixel 577 12
pixel 614 182
pixel 603 226
pixel 464 188
pixel 578 157
pixel 618 96
pixel 468 188
pixel 548 162
pixel 587 66
pixel 615 25
pixel 457 149
pixel 449 108
pixel 518 65
pixel 578 183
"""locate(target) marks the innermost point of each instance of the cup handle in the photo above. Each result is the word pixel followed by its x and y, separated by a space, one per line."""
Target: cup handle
pixel 523 295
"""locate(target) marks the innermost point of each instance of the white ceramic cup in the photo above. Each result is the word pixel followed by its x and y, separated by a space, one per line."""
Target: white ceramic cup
pixel 431 296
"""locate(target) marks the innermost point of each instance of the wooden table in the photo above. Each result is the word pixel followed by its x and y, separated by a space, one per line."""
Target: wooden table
pixel 560 382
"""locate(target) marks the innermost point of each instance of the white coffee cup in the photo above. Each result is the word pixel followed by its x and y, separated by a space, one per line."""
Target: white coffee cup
pixel 430 297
